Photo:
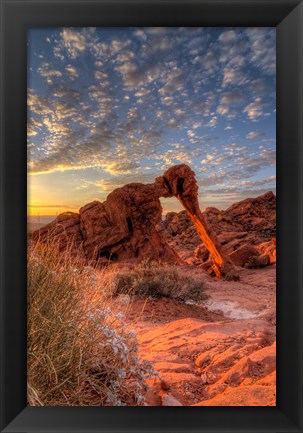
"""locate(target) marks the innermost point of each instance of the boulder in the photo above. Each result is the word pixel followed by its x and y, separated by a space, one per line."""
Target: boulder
pixel 248 256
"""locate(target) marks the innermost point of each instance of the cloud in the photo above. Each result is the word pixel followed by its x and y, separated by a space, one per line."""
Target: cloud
pixel 67 93
pixel 172 157
pixel 232 97
pixel 234 76
pixel 74 42
pixel 263 48
pixel 213 122
pixel 33 126
pixel 72 71
pixel 222 109
pixel 117 168
pixel 191 133
pixel 228 37
pixel 197 125
pixel 210 62
pixel 208 159
pixel 147 72
pixel 108 185
pixel 254 110
pixel 174 82
pixel 47 72
pixel 255 134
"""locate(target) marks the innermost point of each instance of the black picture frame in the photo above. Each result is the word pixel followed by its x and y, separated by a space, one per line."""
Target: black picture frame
pixel 19 15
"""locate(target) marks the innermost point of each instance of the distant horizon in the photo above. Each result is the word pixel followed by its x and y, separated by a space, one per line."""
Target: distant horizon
pixel 111 106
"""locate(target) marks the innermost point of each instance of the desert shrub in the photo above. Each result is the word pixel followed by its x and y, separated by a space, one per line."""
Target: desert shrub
pixel 80 353
pixel 152 278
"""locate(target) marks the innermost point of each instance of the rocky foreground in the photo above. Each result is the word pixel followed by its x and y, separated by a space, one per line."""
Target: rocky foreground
pixel 221 352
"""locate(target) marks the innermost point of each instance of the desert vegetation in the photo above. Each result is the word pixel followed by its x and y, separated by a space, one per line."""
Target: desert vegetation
pixel 158 280
pixel 80 352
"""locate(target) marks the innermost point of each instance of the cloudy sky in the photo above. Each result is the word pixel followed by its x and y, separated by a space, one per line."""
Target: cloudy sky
pixel 109 106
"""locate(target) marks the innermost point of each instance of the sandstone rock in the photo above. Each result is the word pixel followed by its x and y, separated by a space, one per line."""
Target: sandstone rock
pixel 268 248
pixel 238 372
pixel 202 253
pixel 121 228
pixel 128 226
pixel 243 254
pixel 249 222
pixel 257 262
pixel 227 237
pixel 64 231
pixel 253 395
pixel 179 181
pixel 124 226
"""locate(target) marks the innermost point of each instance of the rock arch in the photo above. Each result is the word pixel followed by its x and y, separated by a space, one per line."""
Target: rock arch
pixel 180 181
pixel 123 227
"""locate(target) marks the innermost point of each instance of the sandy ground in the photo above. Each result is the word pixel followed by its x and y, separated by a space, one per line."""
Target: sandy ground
pixel 220 352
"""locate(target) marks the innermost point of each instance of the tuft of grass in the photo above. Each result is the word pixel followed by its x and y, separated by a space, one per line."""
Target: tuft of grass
pixel 80 352
pixel 158 280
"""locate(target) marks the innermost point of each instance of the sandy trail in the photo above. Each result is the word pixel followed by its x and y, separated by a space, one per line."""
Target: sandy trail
pixel 220 352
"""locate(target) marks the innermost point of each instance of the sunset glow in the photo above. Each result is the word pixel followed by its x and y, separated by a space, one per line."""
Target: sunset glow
pixel 110 106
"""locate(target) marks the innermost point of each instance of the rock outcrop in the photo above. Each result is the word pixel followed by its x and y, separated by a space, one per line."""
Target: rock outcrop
pixel 246 232
pixel 124 226
pixel 180 182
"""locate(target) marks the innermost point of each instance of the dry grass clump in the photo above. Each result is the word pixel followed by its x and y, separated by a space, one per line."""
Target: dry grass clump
pixel 152 278
pixel 80 352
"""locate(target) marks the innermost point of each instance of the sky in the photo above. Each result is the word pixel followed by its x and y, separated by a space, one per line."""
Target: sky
pixel 110 106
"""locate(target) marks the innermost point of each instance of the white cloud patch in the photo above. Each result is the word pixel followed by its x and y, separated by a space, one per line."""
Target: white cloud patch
pixel 255 134
pixel 228 37
pixel 232 97
pixel 74 42
pixel 223 110
pixel 213 122
pixel 117 168
pixel 263 49
pixel 234 76
pixel 72 71
pixel 254 110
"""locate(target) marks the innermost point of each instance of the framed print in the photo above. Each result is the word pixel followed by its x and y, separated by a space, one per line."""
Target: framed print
pixel 153 267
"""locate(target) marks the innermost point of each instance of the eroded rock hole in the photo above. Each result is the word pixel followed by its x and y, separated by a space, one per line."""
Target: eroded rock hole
pixel 130 225
pixel 180 183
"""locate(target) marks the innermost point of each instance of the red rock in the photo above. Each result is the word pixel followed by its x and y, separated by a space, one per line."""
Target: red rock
pixel 64 230
pixel 248 256
pixel 269 249
pixel 179 181
pixel 122 228
pixel 250 222
pixel 202 253
pixel 129 226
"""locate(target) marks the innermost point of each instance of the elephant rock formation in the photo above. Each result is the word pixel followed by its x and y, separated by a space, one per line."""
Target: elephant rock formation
pixel 123 228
